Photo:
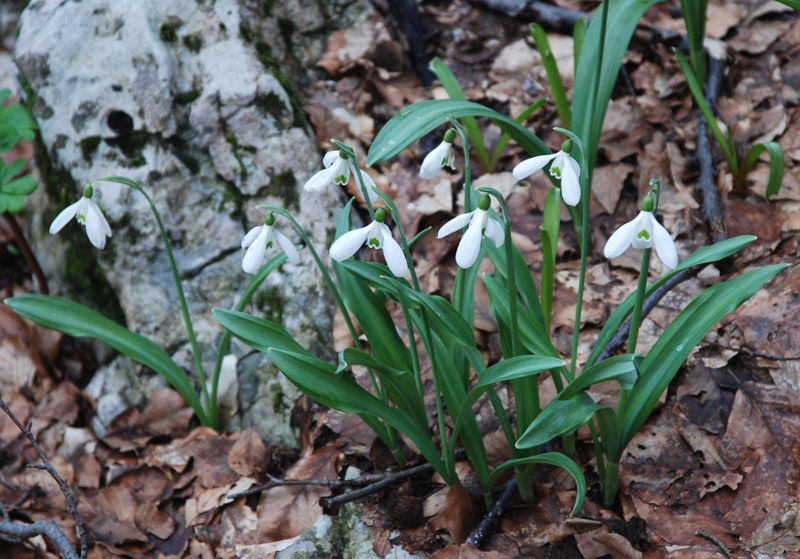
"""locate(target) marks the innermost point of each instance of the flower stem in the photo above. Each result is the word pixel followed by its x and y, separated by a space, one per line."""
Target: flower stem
pixel 610 484
pixel 209 405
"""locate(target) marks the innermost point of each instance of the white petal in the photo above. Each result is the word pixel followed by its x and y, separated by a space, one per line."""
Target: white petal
pixel 574 165
pixel 570 184
pixel 330 158
pixel 470 245
pixel 346 246
pixel 393 254
pixel 63 218
pixel 257 253
pixel 251 236
pixel 644 223
pixel 320 180
pixel 665 246
pixel 495 232
pixel 621 239
pixel 368 182
pixel 433 161
pixel 288 248
pixel 455 224
pixel 97 227
pixel 530 166
pixel 341 171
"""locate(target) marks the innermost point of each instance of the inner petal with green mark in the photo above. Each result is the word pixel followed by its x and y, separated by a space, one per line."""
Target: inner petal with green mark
pixel 341 179
pixel 269 244
pixel 374 243
pixel 81 219
pixel 643 234
pixel 555 171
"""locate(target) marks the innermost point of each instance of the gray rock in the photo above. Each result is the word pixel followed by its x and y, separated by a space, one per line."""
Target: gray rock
pixel 189 99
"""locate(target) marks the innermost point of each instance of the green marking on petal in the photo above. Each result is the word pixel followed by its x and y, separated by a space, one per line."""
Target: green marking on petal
pixel 555 171
pixel 81 219
pixel 269 244
pixel 643 234
pixel 341 179
pixel 374 243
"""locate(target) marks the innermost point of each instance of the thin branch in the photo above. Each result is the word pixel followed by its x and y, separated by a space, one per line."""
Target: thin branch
pixel 27 253
pixel 476 537
pixel 715 540
pixel 65 489
pixel 649 304
pixel 387 479
pixel 42 528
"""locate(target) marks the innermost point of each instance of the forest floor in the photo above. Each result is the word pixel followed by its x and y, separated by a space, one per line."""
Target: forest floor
pixel 715 470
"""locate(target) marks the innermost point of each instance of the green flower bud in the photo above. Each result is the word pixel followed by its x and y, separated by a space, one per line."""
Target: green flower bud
pixel 566 147
pixel 380 215
pixel 449 136
pixel 88 191
pixel 269 219
pixel 648 204
pixel 484 202
pixel 342 154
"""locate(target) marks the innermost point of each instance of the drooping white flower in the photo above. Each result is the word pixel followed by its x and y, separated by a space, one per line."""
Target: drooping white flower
pixel 643 232
pixel 337 170
pixel 375 235
pixel 87 213
pixel 259 239
pixel 564 168
pixel 480 224
pixel 442 155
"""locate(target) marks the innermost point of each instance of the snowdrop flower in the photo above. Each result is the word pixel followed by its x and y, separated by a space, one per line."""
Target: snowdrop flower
pixel 259 239
pixel 375 235
pixel 441 156
pixel 564 168
pixel 338 168
pixel 87 213
pixel 644 232
pixel 480 224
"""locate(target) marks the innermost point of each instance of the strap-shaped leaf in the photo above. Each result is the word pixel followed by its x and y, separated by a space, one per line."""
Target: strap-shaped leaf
pixel 258 333
pixel 704 255
pixel 678 340
pixel 76 320
pixel 775 165
pixel 621 368
pixel 413 122
pixel 559 417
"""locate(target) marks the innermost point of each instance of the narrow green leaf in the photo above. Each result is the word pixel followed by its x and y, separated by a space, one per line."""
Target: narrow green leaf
pixel 413 122
pixel 679 339
pixel 621 368
pixel 451 85
pixel 258 333
pixel 794 4
pixel 559 417
pixel 775 166
pixel 704 255
pixel 553 75
pixel 78 321
pixel 518 367
pixel 551 459
pixel 578 36
pixel 504 139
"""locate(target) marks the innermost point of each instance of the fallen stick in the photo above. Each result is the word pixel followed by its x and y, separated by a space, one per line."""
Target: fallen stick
pixel 476 537
pixel 49 528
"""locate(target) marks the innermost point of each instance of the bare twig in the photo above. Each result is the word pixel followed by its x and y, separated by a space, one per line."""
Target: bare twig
pixel 45 528
pixel 715 540
pixel 476 537
pixel 49 529
pixel 649 304
pixel 706 185
pixel 27 253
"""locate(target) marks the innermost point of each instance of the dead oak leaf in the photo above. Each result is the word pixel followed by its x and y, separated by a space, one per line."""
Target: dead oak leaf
pixel 287 511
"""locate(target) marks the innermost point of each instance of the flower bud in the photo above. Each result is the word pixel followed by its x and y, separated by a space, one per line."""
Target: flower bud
pixel 484 202
pixel 566 147
pixel 269 220
pixel 449 136
pixel 648 204
pixel 88 191
pixel 380 215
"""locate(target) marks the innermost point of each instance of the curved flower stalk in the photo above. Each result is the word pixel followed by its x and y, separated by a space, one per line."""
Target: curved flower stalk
pixel 338 168
pixel 87 213
pixel 643 231
pixel 259 239
pixel 441 156
pixel 563 167
pixel 375 235
pixel 480 224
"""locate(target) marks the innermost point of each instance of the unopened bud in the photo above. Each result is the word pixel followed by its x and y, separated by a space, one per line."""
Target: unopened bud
pixel 88 191
pixel 449 136
pixel 648 204
pixel 484 202
pixel 269 219
pixel 566 147
pixel 380 215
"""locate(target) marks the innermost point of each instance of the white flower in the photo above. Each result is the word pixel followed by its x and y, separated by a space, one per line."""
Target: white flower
pixel 441 156
pixel 259 239
pixel 564 168
pixel 479 225
pixel 643 232
pixel 375 235
pixel 87 213
pixel 337 170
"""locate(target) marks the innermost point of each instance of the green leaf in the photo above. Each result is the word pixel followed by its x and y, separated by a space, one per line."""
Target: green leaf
pixel 4 93
pixel 704 255
pixel 553 75
pixel 23 185
pixel 679 339
pixel 795 4
pixel 518 367
pixel 451 85
pixel 504 139
pixel 76 320
pixel 258 333
pixel 621 368
pixel 559 417
pixel 587 119
pixel 551 459
pixel 10 172
pixel 413 122
pixel 9 136
pixel 699 98
pixel 320 381
pixel 694 13
pixel 775 166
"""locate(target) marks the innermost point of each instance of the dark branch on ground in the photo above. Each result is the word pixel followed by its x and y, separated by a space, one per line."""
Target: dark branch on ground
pixel 476 537
pixel 49 529
pixel 715 540
pixel 706 183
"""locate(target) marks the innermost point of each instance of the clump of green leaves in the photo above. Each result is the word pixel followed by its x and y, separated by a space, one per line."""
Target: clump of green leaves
pixel 16 124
